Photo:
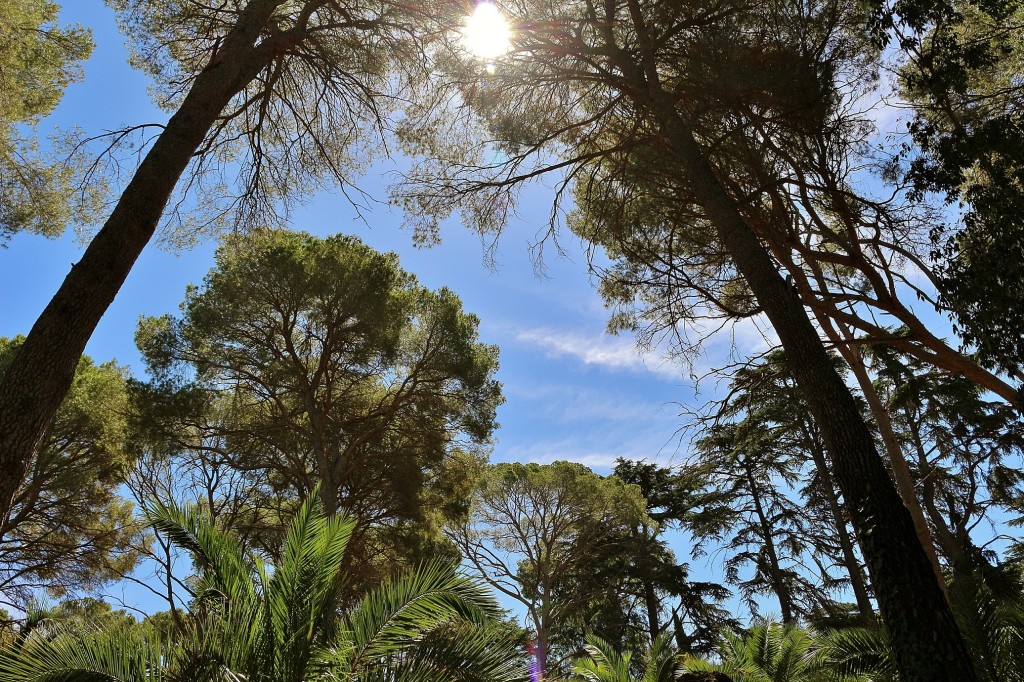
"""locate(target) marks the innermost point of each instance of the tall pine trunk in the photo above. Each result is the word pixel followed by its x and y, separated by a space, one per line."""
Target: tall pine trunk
pixel 926 643
pixel 853 353
pixel 40 375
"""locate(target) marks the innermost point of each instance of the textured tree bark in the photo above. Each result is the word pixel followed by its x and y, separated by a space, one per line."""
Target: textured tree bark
pixel 37 380
pixel 926 642
pixel 652 605
pixel 843 339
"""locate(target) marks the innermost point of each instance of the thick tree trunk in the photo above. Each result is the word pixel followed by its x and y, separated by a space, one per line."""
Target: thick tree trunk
pixel 40 375
pixel 851 351
pixel 926 643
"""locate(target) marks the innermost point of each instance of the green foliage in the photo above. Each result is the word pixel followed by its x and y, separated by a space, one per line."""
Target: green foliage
pixel 69 530
pixel 965 450
pixel 604 663
pixel 690 609
pixel 89 611
pixel 773 652
pixel 311 107
pixel 962 76
pixel 282 623
pixel 535 530
pixel 38 60
pixel 761 484
pixel 301 360
pixel 752 459
pixel 992 624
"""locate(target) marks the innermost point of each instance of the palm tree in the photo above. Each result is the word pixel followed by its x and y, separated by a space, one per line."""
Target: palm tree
pixel 260 623
pixel 773 652
pixel 603 663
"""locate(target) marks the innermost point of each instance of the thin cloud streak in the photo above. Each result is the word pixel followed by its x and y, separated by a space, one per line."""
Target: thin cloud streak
pixel 601 351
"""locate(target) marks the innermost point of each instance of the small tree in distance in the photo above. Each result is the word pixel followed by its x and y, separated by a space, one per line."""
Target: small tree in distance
pixel 531 526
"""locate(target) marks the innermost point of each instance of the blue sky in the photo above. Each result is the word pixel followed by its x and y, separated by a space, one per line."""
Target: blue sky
pixel 573 392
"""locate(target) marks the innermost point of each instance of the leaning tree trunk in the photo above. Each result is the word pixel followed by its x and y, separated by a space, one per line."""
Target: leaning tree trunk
pixel 853 353
pixel 926 643
pixel 40 375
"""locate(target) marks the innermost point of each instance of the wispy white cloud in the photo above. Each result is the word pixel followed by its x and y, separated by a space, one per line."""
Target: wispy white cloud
pixel 577 402
pixel 601 350
pixel 599 445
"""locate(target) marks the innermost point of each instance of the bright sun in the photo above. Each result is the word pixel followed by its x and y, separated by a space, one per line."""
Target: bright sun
pixel 486 33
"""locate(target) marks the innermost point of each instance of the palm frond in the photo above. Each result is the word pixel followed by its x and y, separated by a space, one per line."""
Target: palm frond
pixel 662 661
pixel 399 614
pixel 229 570
pixel 117 655
pixel 302 594
pixel 462 652
pixel 603 662
pixel 992 627
pixel 854 652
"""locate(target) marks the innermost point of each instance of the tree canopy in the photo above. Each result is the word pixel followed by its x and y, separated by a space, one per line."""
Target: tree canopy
pixel 532 528
pixel 303 362
pixel 39 58
pixel 69 529
pixel 313 429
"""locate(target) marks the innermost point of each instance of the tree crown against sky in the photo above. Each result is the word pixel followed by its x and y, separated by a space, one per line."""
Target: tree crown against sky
pixel 532 527
pixel 303 363
pixel 607 78
pixel 295 85
pixel 39 58
pixel 960 72
pixel 314 116
pixel 70 530
pixel 858 253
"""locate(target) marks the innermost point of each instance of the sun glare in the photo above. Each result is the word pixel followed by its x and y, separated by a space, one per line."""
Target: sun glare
pixel 486 33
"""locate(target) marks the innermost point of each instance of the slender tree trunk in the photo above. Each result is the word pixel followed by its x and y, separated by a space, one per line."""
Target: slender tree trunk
pixel 778 581
pixel 926 643
pixel 958 555
pixel 653 606
pixel 543 633
pixel 40 375
pixel 852 352
pixel 857 584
